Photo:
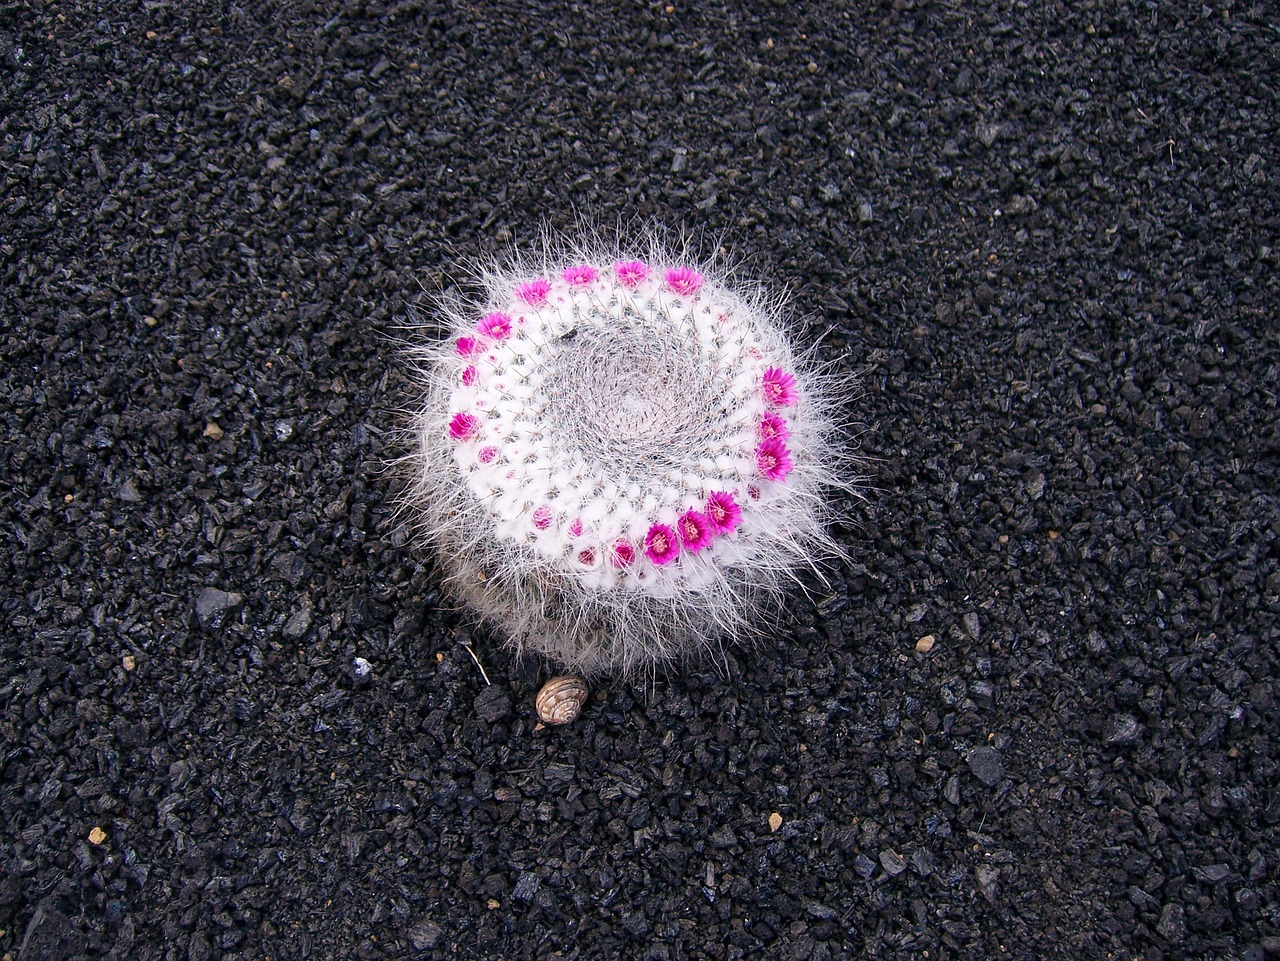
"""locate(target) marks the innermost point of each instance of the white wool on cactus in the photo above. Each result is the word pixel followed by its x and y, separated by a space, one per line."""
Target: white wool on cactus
pixel 621 460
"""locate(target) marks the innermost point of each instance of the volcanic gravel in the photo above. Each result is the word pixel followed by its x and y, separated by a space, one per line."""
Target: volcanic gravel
pixel 1033 716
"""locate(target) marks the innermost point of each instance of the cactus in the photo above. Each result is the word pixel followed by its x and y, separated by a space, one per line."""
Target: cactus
pixel 621 461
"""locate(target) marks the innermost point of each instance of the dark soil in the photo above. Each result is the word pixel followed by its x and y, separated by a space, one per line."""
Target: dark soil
pixel 1047 237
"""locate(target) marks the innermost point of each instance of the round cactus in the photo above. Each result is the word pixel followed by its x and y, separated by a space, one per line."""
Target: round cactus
pixel 621 460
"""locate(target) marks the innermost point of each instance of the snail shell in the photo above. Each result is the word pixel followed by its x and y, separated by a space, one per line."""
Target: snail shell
pixel 561 699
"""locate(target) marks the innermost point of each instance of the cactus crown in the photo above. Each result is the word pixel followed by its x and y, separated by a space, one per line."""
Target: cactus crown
pixel 620 460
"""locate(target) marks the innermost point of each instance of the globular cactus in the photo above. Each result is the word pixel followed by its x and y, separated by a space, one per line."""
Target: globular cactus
pixel 621 460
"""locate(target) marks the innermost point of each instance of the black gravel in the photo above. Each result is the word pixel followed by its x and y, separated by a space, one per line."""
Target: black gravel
pixel 1045 235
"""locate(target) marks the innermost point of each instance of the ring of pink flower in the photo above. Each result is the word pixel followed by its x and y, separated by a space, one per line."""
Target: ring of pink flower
pixel 661 544
pixel 534 293
pixel 463 426
pixel 779 388
pixel 630 273
pixel 495 325
pixel 695 529
pixel 684 281
pixel 773 427
pixel 579 275
pixel 723 512
pixel 773 459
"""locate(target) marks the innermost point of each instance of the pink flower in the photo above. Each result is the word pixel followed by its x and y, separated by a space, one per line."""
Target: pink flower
pixel 684 281
pixel 468 375
pixel 779 388
pixel 624 555
pixel 496 325
pixel 580 275
pixel 534 293
pixel 542 517
pixel 723 512
pixel 487 454
pixel 463 426
pixel 630 273
pixel 575 529
pixel 773 427
pixel 774 460
pixel 467 346
pixel 661 545
pixel 587 557
pixel 695 531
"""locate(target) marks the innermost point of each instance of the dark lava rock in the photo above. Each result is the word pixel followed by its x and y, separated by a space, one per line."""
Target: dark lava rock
pixel 892 862
pixel 290 568
pixel 1213 873
pixel 424 934
pixel 213 605
pixel 493 703
pixel 51 936
pixel 1122 729
pixel 526 887
pixel 1172 925
pixel 986 764
pixel 298 624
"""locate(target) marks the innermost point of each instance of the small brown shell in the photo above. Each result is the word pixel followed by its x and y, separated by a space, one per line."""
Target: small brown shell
pixel 561 699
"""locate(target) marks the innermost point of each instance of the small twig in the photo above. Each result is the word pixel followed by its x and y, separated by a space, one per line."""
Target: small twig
pixel 1169 143
pixel 478 664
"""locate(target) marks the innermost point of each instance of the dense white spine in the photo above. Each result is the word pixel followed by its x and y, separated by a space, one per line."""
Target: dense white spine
pixel 620 459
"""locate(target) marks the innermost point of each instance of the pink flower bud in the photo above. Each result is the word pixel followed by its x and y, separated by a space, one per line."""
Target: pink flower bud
pixel 779 388
pixel 495 325
pixel 463 426
pixel 723 512
pixel 534 293
pixel 695 531
pixel 661 545
pixel 684 281
pixel 773 427
pixel 774 460
pixel 630 273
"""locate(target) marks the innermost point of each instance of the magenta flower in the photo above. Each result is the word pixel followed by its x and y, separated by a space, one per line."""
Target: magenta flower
pixel 684 281
pixel 487 454
pixel 773 427
pixel 579 275
pixel 463 426
pixel 774 460
pixel 468 375
pixel 534 293
pixel 630 273
pixel 723 512
pixel 695 531
pixel 587 557
pixel 542 517
pixel 467 346
pixel 495 325
pixel 624 555
pixel 779 388
pixel 575 529
pixel 661 545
